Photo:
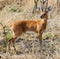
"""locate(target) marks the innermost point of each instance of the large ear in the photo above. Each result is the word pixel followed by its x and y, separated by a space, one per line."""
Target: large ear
pixel 49 9
pixel 40 8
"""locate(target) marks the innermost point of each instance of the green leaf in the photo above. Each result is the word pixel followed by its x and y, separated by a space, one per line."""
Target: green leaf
pixel 9 36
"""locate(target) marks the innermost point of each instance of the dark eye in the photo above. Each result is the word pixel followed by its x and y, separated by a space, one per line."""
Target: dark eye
pixel 42 16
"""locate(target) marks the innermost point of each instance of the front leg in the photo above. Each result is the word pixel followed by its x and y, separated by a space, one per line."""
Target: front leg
pixel 40 41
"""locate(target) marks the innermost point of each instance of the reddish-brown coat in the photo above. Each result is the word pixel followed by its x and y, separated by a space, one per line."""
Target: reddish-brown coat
pixel 22 26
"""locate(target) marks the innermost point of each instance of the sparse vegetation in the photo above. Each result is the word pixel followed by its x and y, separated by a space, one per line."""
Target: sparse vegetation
pixel 48 35
pixel 13 10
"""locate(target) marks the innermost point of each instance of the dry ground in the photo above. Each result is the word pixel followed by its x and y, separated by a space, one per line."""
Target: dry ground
pixel 30 49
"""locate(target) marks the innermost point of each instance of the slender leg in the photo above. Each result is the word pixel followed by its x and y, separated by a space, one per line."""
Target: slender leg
pixel 14 46
pixel 40 41
pixel 11 41
pixel 8 47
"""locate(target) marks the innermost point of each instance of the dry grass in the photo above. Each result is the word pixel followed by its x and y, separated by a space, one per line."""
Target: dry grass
pixel 30 49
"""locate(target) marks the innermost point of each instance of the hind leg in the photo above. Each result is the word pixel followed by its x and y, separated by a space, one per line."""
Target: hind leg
pixel 14 47
pixel 11 41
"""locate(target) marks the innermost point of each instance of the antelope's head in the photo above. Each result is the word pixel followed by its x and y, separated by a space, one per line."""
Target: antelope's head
pixel 43 14
pixel 44 9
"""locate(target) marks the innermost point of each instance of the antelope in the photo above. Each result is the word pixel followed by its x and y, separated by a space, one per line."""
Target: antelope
pixel 20 27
